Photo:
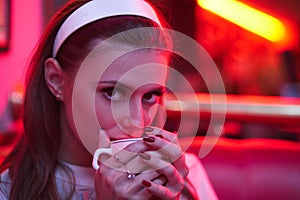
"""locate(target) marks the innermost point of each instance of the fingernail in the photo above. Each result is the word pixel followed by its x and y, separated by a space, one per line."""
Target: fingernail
pixel 146 183
pixel 145 156
pixel 160 136
pixel 149 139
pixel 148 129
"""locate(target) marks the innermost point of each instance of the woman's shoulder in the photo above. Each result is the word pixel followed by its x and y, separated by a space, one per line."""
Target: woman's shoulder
pixel 5 185
pixel 199 178
pixel 192 159
pixel 81 179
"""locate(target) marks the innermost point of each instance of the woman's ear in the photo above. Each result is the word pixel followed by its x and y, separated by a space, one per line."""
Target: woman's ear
pixel 54 77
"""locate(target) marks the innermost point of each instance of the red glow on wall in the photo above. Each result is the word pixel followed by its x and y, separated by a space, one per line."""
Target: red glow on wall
pixel 273 29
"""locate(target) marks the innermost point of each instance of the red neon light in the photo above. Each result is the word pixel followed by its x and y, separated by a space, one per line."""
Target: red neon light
pixel 247 17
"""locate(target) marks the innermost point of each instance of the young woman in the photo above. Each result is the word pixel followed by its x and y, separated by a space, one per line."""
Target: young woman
pixel 98 55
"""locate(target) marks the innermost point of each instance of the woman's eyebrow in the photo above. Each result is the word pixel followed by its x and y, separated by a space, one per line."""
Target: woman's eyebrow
pixel 115 83
pixel 160 88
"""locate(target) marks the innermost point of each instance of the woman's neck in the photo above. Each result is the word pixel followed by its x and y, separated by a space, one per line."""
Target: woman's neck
pixel 71 150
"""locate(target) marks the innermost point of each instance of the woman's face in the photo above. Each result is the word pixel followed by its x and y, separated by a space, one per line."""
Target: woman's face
pixel 129 92
pixel 127 95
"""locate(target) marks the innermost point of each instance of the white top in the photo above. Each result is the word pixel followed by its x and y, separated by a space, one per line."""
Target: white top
pixel 84 176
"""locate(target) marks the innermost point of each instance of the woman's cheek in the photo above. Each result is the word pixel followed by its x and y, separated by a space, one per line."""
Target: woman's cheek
pixel 104 115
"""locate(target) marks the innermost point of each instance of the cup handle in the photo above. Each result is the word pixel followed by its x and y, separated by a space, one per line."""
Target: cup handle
pixel 97 154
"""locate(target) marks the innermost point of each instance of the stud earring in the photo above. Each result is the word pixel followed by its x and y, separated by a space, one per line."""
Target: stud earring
pixel 58 97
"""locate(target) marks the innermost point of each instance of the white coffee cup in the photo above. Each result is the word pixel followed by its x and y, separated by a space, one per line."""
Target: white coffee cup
pixel 115 146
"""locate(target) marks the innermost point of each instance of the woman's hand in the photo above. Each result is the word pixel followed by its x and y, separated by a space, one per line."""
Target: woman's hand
pixel 152 175
pixel 112 179
pixel 174 169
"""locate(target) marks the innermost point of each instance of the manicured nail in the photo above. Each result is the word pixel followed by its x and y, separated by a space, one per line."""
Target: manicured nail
pixel 146 183
pixel 145 156
pixel 148 129
pixel 160 136
pixel 149 139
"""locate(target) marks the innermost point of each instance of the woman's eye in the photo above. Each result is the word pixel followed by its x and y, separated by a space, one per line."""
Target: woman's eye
pixel 151 98
pixel 113 94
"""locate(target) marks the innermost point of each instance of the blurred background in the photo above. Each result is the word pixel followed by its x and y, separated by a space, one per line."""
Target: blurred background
pixel 255 45
pixel 259 59
pixel 260 68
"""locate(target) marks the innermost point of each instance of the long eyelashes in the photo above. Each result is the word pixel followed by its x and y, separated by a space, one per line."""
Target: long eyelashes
pixel 152 97
pixel 113 94
pixel 116 94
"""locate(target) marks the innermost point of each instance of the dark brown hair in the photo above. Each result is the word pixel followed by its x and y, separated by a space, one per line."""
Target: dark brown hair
pixel 33 162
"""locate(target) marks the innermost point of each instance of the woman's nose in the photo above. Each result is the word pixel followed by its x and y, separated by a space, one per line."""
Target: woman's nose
pixel 136 112
pixel 136 118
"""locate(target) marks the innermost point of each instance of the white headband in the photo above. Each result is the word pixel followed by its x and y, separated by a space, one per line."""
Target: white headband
pixel 99 9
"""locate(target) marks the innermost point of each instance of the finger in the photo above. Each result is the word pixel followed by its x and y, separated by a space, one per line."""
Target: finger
pixel 123 187
pixel 161 180
pixel 136 165
pixel 117 181
pixel 163 167
pixel 121 180
pixel 181 166
pixel 148 175
pixel 131 151
pixel 103 142
pixel 142 194
pixel 159 190
pixel 155 131
pixel 145 193
pixel 128 157
pixel 108 176
pixel 171 150
pixel 103 139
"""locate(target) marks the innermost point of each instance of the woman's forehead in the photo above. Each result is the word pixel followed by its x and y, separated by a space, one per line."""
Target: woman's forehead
pixel 121 60
pixel 124 64
pixel 138 68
